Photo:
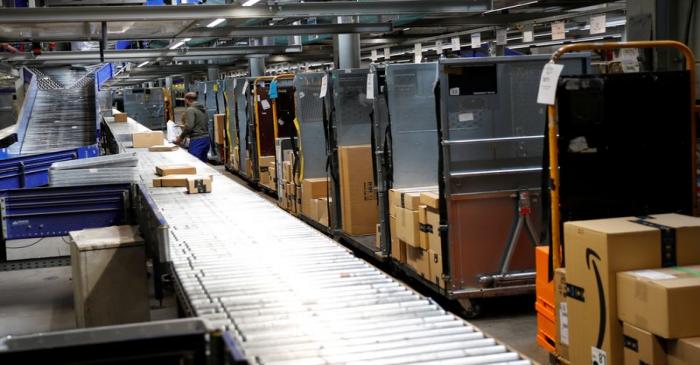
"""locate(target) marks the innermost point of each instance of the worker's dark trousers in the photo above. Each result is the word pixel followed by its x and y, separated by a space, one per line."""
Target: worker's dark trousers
pixel 199 148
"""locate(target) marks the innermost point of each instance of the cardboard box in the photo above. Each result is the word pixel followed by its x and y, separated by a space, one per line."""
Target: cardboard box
pixel 404 198
pixel 408 228
pixel 436 277
pixel 429 227
pixel 358 200
pixel 199 184
pixel 147 139
pixel 163 148
pixel 398 248
pixel 322 211
pixel 598 249
pixel 661 301
pixel 378 237
pixel 219 128
pixel 419 260
pixel 685 351
pixel 171 181
pixel 287 171
pixel 561 313
pixel 165 170
pixel 431 199
pixel 120 117
pixel 642 347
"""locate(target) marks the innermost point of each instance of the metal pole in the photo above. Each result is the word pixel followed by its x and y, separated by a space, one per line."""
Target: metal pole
pixel 348 46
pixel 103 42
pixel 212 73
pixel 256 64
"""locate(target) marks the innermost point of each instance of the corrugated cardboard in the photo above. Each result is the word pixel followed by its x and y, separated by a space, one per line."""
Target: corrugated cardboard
pixel 163 148
pixel 199 184
pixel 398 248
pixel 322 211
pixel 358 200
pixel 165 170
pixel 661 301
pixel 287 171
pixel 561 313
pixel 404 198
pixel 408 229
pixel 429 226
pixel 147 139
pixel 419 260
pixel 595 251
pixel 431 199
pixel 685 351
pixel 436 277
pixel 219 128
pixel 642 347
pixel 174 180
pixel 120 117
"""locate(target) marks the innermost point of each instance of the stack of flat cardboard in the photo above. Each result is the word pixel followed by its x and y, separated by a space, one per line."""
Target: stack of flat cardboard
pixel 596 251
pixel 314 203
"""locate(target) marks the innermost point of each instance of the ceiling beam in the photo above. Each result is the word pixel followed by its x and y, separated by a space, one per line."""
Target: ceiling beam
pixel 284 30
pixel 202 12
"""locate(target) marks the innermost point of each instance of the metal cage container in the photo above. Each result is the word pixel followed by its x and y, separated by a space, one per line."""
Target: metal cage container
pixel 147 106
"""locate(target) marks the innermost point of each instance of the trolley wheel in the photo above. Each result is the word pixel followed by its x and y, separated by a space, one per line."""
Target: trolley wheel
pixel 471 308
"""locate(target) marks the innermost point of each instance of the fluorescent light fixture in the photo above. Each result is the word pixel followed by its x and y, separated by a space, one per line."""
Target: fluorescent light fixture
pixel 143 64
pixel 406 29
pixel 250 2
pixel 511 6
pixel 187 39
pixel 178 44
pixel 215 23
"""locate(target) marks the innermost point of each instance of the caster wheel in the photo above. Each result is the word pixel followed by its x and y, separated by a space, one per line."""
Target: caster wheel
pixel 471 307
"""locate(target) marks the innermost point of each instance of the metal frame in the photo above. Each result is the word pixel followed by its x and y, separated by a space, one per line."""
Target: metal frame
pixel 553 125
pixel 382 160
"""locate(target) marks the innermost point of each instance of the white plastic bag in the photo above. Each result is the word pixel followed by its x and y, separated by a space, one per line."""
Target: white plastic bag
pixel 172 131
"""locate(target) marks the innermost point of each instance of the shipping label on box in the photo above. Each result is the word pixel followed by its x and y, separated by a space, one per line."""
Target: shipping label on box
pixel 562 313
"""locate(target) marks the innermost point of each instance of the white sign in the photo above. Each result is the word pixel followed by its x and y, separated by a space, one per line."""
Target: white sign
pixel 598 24
pixel 417 53
pixel 373 56
pixel 528 36
pixel 456 44
pixel 438 46
pixel 558 31
pixel 265 104
pixel 245 87
pixel 476 40
pixel 387 53
pixel 324 86
pixel 501 37
pixel 370 86
pixel 548 83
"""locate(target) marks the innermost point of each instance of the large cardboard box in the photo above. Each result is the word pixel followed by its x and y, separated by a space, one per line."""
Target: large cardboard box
pixel 358 200
pixel 598 249
pixel 404 198
pixel 147 139
pixel 171 181
pixel 642 347
pixel 661 301
pixel 431 199
pixel 165 170
pixel 312 189
pixel 219 128
pixel 408 228
pixel 685 351
pixel 429 226
pixel 120 117
pixel 419 260
pixel 199 184
pixel 561 313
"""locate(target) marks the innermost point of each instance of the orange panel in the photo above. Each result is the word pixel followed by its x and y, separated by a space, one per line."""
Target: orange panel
pixel 544 289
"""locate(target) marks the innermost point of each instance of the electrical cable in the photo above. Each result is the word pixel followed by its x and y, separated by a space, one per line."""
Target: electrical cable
pixel 25 246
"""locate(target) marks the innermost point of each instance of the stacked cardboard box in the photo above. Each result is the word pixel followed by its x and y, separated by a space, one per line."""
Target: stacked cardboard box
pixel 358 201
pixel 314 202
pixel 597 250
pixel 266 178
pixel 414 220
pixel 290 199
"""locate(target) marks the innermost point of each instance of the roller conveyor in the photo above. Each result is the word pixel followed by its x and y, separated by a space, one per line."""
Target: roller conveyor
pixel 288 293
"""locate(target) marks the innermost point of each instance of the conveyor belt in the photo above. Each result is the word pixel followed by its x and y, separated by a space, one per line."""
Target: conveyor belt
pixel 290 294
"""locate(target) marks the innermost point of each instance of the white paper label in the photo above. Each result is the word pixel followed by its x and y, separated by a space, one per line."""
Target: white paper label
pixel 438 46
pixel 528 36
pixel 653 275
pixel 370 86
pixel 301 94
pixel 324 86
pixel 629 58
pixel 456 44
pixel 558 31
pixel 454 91
pixel 245 87
pixel 417 53
pixel 548 83
pixel 373 55
pixel 564 323
pixel 501 37
pixel 476 40
pixel 465 117
pixel 598 356
pixel 265 104
pixel 598 24
pixel 387 53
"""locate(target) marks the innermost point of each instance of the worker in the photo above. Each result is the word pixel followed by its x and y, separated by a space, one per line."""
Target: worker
pixel 195 126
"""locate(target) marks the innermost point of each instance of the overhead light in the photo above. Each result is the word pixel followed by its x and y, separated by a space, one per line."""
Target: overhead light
pixel 250 2
pixel 178 44
pixel 511 6
pixel 406 29
pixel 215 23
pixel 143 64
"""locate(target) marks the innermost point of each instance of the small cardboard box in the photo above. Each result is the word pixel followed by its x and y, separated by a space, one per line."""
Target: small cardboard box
pixel 429 226
pixel 419 260
pixel 596 250
pixel 642 347
pixel 163 148
pixel 431 199
pixel 147 139
pixel 404 198
pixel 661 301
pixel 120 117
pixel 165 170
pixel 219 128
pixel 198 184
pixel 171 181
pixel 408 229
pixel 561 313
pixel 685 351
